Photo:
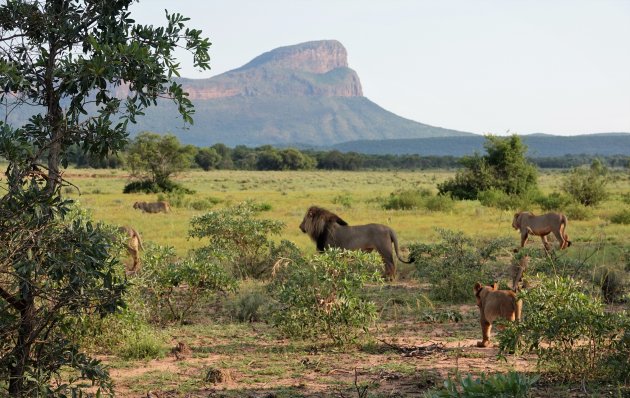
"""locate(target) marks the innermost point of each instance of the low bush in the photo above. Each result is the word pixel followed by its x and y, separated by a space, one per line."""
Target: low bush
pixel 612 282
pixel 454 264
pixel 553 202
pixel 406 200
pixel 576 211
pixel 621 217
pixel 501 200
pixel 240 240
pixel 170 288
pixel 251 303
pixel 512 384
pixel 439 203
pixel 345 200
pixel 569 331
pixel 321 295
pixel 149 186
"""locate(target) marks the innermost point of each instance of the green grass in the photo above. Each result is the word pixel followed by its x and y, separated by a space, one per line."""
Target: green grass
pixel 291 193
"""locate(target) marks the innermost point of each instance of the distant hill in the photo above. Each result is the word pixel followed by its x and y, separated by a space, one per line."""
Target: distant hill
pixel 539 145
pixel 304 93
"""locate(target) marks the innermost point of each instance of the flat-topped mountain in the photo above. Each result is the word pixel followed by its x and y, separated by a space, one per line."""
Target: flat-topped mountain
pixel 299 94
pixel 314 69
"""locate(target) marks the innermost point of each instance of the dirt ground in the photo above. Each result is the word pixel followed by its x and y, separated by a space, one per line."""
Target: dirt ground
pixel 401 358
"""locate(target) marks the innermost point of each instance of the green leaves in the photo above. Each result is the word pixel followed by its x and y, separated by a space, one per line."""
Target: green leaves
pixel 236 235
pixel 569 331
pixel 321 295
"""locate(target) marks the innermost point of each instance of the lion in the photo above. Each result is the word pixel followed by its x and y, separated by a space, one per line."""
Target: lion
pixel 133 244
pixel 494 304
pixel 517 269
pixel 542 226
pixel 327 229
pixel 153 207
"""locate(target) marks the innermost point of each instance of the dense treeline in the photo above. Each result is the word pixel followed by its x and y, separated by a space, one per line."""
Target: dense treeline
pixel 222 157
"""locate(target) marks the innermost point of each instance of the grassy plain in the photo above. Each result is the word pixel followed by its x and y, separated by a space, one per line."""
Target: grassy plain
pixel 257 362
pixel 355 196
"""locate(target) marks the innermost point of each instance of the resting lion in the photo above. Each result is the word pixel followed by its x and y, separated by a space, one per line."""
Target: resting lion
pixel 542 226
pixel 153 207
pixel 329 230
pixel 494 304
pixel 133 244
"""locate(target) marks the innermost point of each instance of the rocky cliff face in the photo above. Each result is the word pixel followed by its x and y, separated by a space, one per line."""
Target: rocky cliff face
pixel 317 68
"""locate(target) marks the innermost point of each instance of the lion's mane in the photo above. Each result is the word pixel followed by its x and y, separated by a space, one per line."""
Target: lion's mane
pixel 317 224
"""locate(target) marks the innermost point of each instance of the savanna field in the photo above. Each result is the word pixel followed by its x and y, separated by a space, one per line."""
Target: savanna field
pixel 227 344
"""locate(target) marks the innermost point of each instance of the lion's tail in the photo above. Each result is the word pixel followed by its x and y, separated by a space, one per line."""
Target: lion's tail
pixel 394 239
pixel 139 241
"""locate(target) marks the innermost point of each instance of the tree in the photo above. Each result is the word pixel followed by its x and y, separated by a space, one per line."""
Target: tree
pixel 207 158
pixel 155 158
pixel 67 59
pixel 587 185
pixel 504 168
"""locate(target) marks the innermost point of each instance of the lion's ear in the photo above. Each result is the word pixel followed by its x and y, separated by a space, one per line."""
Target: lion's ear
pixel 495 286
pixel 477 287
pixel 341 222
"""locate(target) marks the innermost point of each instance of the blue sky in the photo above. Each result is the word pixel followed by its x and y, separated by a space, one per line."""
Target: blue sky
pixel 554 66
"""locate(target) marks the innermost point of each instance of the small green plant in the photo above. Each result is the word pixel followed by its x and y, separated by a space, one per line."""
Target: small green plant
pixel 441 316
pixel 454 264
pixel 345 200
pixel 251 303
pixel 510 385
pixel 321 295
pixel 613 283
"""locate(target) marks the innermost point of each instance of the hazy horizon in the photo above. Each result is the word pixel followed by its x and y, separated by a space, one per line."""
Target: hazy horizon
pixel 497 67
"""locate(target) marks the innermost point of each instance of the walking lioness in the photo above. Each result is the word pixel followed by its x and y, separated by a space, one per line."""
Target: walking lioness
pixel 556 223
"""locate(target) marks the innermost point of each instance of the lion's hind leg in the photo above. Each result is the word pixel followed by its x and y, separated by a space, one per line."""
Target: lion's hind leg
pixel 486 328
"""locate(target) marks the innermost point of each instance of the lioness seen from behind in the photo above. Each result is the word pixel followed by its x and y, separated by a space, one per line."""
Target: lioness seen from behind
pixel 494 304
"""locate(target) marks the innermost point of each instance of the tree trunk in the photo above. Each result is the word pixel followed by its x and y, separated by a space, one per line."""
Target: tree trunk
pixel 22 349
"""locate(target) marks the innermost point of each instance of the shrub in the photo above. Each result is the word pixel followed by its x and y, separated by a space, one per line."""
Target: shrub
pixel 455 264
pixel 238 239
pixel 149 186
pixel 512 384
pixel 577 211
pixel 587 186
pixel 501 200
pixel 124 334
pixel 613 283
pixel 344 200
pixel 504 168
pixel 439 203
pixel 251 303
pixel 553 202
pixel 621 217
pixel 171 287
pixel 320 295
pixel 406 200
pixel 569 331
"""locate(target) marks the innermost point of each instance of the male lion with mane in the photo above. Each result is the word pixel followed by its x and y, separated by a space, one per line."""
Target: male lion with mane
pixel 327 229
pixel 494 304
pixel 528 223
